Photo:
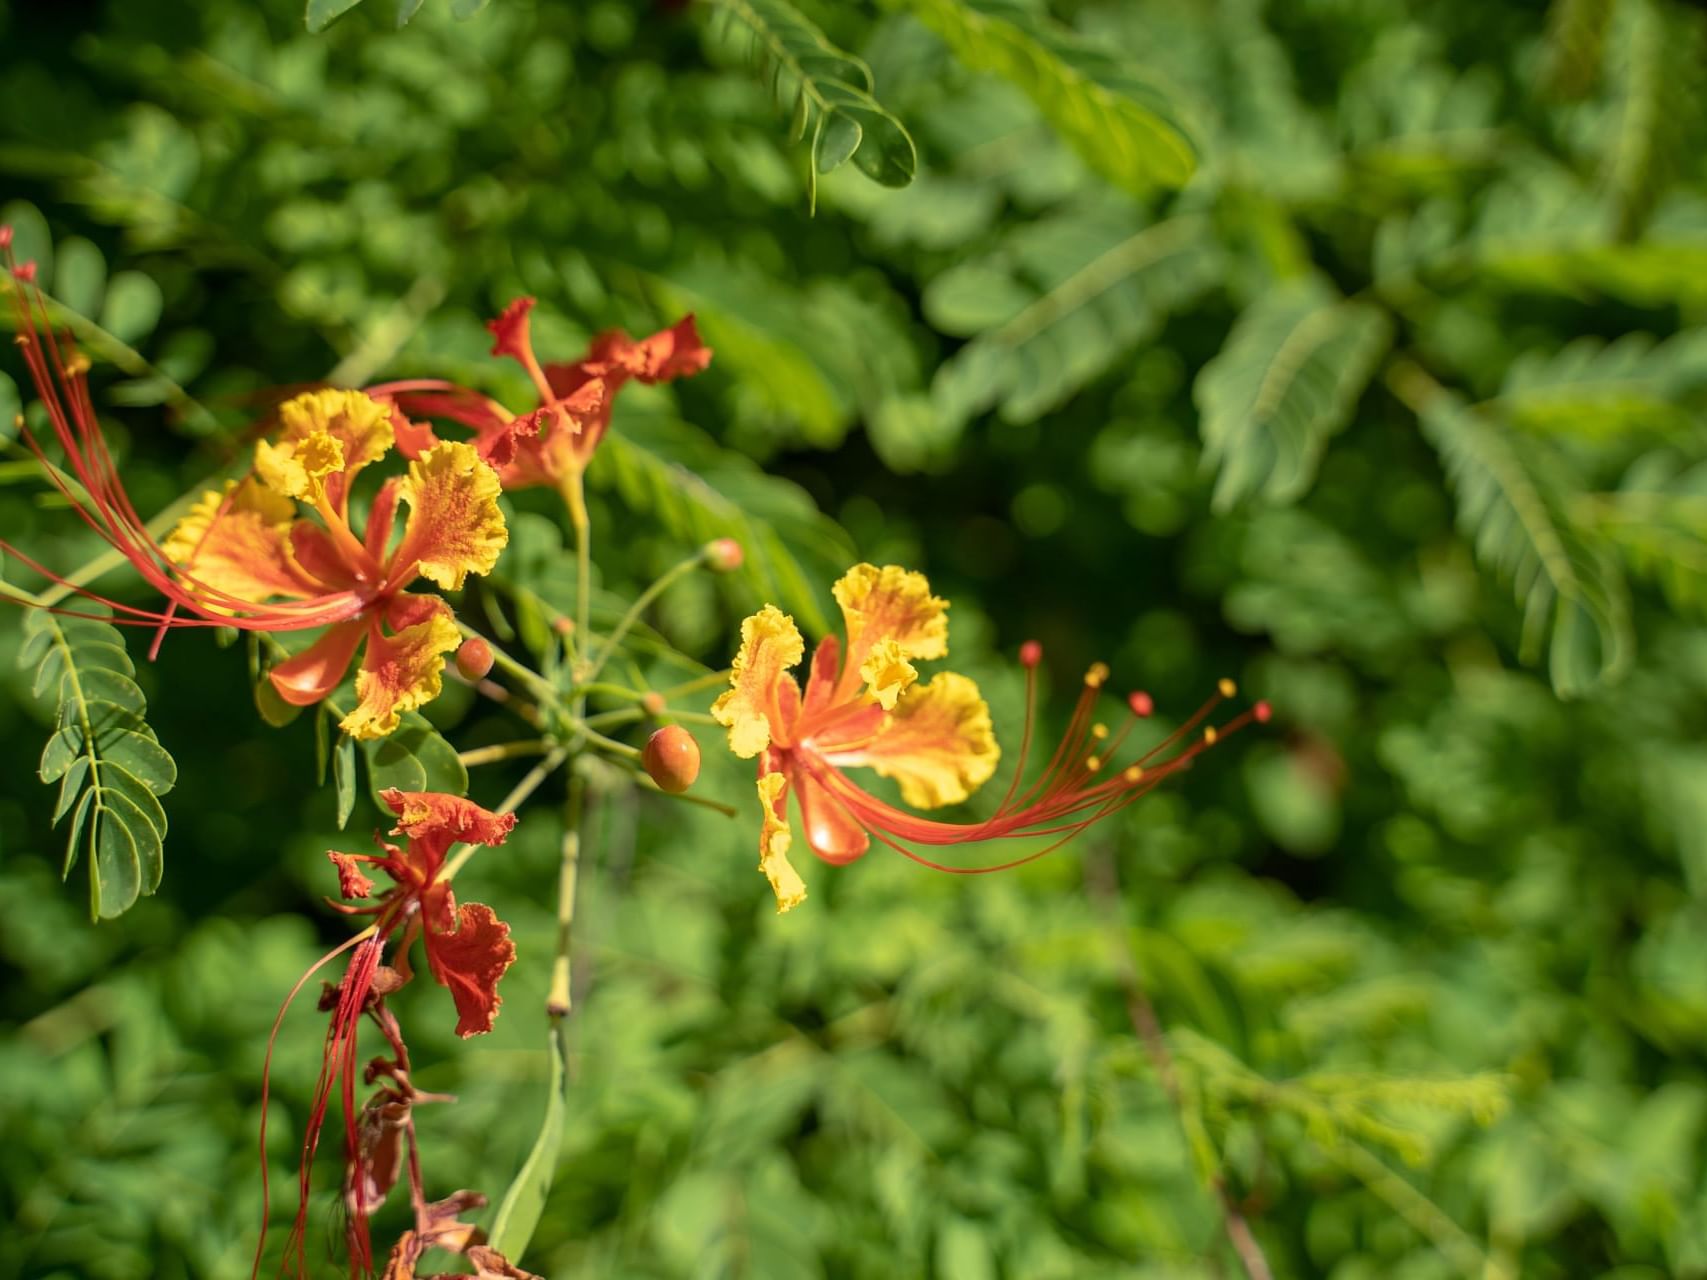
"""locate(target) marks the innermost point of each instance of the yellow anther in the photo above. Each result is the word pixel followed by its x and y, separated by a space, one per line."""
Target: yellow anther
pixel 1099 731
pixel 1133 773
pixel 1097 675
pixel 1227 687
pixel 1209 734
pixel 78 363
pixel 1093 763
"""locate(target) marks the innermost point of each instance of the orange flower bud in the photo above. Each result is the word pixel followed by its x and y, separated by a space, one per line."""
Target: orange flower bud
pixel 671 756
pixel 724 555
pixel 653 704
pixel 474 658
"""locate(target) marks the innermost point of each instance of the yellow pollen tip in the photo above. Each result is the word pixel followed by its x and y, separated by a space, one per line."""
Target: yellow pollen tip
pixel 1093 763
pixel 1097 675
pixel 1099 731
pixel 1209 734
pixel 1133 773
pixel 78 363
pixel 1227 687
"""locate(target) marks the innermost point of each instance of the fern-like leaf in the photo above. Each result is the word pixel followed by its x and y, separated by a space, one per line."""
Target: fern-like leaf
pixel 1288 379
pixel 699 491
pixel 1057 305
pixel 829 92
pixel 1575 41
pixel 1125 127
pixel 1514 502
pixel 1604 390
pixel 1662 534
pixel 110 767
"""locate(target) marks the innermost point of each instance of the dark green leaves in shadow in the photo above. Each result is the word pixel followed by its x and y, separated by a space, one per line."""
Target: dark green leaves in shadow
pixel 829 92
pixel 110 767
pixel 414 758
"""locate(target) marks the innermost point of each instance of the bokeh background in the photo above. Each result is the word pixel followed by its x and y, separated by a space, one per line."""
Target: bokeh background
pixel 1393 412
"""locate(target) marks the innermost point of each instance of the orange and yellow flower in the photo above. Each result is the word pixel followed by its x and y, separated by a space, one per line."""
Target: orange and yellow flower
pixel 248 557
pixel 864 705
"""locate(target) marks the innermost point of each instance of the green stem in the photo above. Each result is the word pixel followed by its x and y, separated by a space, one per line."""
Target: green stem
pixel 560 998
pixel 505 751
pixel 575 498
pixel 645 598
pixel 710 680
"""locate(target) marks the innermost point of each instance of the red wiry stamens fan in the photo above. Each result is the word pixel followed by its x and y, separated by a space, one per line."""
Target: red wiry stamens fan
pixel 1081 784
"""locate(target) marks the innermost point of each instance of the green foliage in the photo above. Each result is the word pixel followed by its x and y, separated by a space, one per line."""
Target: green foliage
pixel 1428 950
pixel 1123 125
pixel 1289 377
pixel 109 764
pixel 827 91
pixel 1513 499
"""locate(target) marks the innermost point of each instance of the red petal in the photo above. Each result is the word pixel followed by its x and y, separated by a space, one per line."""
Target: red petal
pixel 434 821
pixel 469 962
pixel 832 832
pixel 352 882
pixel 676 352
pixel 316 671
pixel 510 331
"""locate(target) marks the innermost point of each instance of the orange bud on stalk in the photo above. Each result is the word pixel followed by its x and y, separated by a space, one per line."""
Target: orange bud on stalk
pixel 724 555
pixel 653 704
pixel 671 757
pixel 563 626
pixel 474 658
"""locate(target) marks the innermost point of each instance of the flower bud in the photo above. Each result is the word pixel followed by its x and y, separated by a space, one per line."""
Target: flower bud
pixel 5 236
pixel 474 659
pixel 671 757
pixel 1030 654
pixel 653 704
pixel 563 626
pixel 724 555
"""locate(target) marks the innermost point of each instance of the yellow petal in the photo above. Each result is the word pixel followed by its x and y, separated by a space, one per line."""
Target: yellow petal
pixel 238 542
pixel 890 605
pixel 298 468
pixel 774 841
pixel 887 673
pixel 938 743
pixel 770 645
pixel 455 527
pixel 400 673
pixel 358 422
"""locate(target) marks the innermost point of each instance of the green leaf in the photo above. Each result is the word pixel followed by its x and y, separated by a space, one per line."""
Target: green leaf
pixel 413 758
pixel 1604 391
pixel 1513 499
pixel 1124 126
pixel 110 767
pixel 1288 378
pixel 344 777
pixel 320 13
pixel 1057 305
pixel 464 9
pixel 132 307
pixel 828 92
pixel 1662 536
pixel 80 276
pixel 524 1202
pixel 273 708
pixel 407 9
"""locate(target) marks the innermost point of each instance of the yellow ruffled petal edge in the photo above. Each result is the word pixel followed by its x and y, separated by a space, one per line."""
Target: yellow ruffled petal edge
pixel 358 422
pixel 298 468
pixel 893 604
pixel 887 673
pixel 770 645
pixel 938 743
pixel 774 842
pixel 400 673
pixel 455 527
pixel 237 540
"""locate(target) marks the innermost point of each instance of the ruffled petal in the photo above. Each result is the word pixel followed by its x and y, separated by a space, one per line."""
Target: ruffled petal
pixel 887 673
pixel 893 605
pixel 510 336
pixel 436 815
pixel 774 840
pixel 469 960
pixel 353 882
pixel 356 423
pixel 938 743
pixel 455 527
pixel 308 677
pixel 399 673
pixel 770 645
pixel 237 542
pixel 676 352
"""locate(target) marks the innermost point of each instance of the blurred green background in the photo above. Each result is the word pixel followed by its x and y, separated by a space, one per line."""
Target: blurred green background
pixel 1393 411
